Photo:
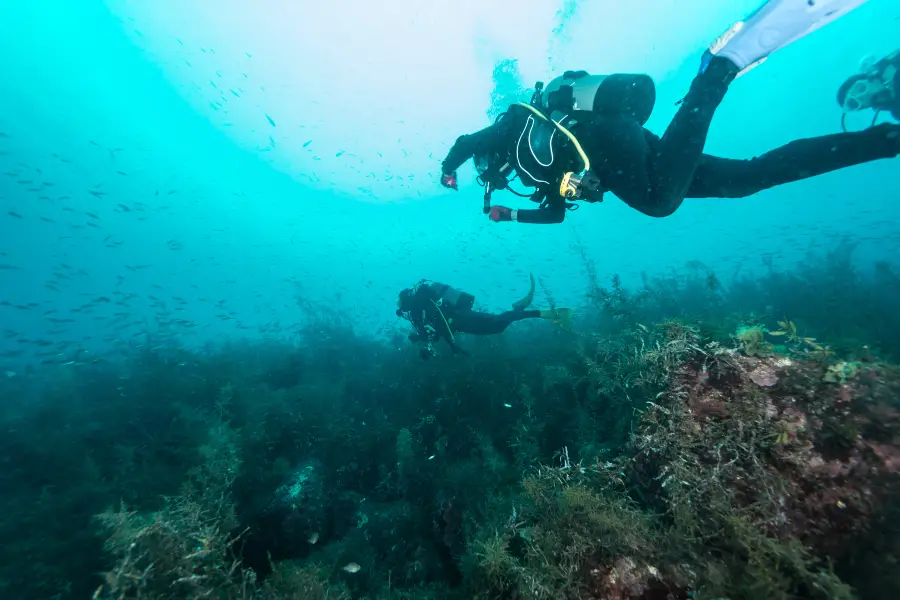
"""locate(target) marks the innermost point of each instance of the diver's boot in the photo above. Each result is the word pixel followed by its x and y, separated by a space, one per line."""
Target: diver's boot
pixel 559 316
pixel 774 25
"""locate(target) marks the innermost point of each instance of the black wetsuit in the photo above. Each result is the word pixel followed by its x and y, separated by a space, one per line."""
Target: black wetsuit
pixel 456 308
pixel 654 175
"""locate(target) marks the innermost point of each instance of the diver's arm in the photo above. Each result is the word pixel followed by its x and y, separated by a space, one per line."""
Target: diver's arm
pixel 418 316
pixel 422 336
pixel 552 214
pixel 424 312
pixel 466 146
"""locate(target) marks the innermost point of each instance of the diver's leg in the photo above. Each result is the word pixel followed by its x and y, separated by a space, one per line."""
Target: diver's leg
pixel 479 323
pixel 673 159
pixel 774 25
pixel 729 178
pixel 619 149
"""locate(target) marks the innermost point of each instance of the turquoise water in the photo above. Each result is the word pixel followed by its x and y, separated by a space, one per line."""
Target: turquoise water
pixel 244 153
pixel 198 198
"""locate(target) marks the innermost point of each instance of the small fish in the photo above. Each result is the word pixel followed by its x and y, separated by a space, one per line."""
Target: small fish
pixel 271 121
pixel 351 567
pixel 313 538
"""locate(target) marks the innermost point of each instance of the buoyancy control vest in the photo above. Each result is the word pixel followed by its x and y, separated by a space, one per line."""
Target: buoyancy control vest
pixel 539 150
pixel 541 157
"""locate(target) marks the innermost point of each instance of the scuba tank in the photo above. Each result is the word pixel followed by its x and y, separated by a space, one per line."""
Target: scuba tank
pixel 452 298
pixel 619 93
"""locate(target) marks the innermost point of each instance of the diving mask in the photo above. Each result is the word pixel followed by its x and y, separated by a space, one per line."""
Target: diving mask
pixel 863 94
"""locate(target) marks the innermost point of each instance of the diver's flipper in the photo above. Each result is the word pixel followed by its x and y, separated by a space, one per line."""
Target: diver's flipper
pixel 559 316
pixel 774 25
pixel 526 301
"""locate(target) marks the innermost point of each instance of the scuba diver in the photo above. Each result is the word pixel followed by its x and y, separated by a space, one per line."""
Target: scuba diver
pixel 875 87
pixel 583 135
pixel 438 312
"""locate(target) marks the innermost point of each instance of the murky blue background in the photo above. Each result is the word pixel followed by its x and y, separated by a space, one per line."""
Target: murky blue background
pixel 195 165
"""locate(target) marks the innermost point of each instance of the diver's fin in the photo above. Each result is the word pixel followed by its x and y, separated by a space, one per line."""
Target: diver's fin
pixel 559 316
pixel 526 301
pixel 774 25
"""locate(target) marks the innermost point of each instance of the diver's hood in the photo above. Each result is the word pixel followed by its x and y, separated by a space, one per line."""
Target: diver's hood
pixel 404 299
pixel 631 94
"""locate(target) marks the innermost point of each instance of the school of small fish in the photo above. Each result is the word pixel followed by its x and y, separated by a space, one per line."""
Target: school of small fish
pixel 114 232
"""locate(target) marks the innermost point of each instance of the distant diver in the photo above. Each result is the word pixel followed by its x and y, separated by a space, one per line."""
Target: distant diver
pixel 438 312
pixel 583 135
pixel 876 87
